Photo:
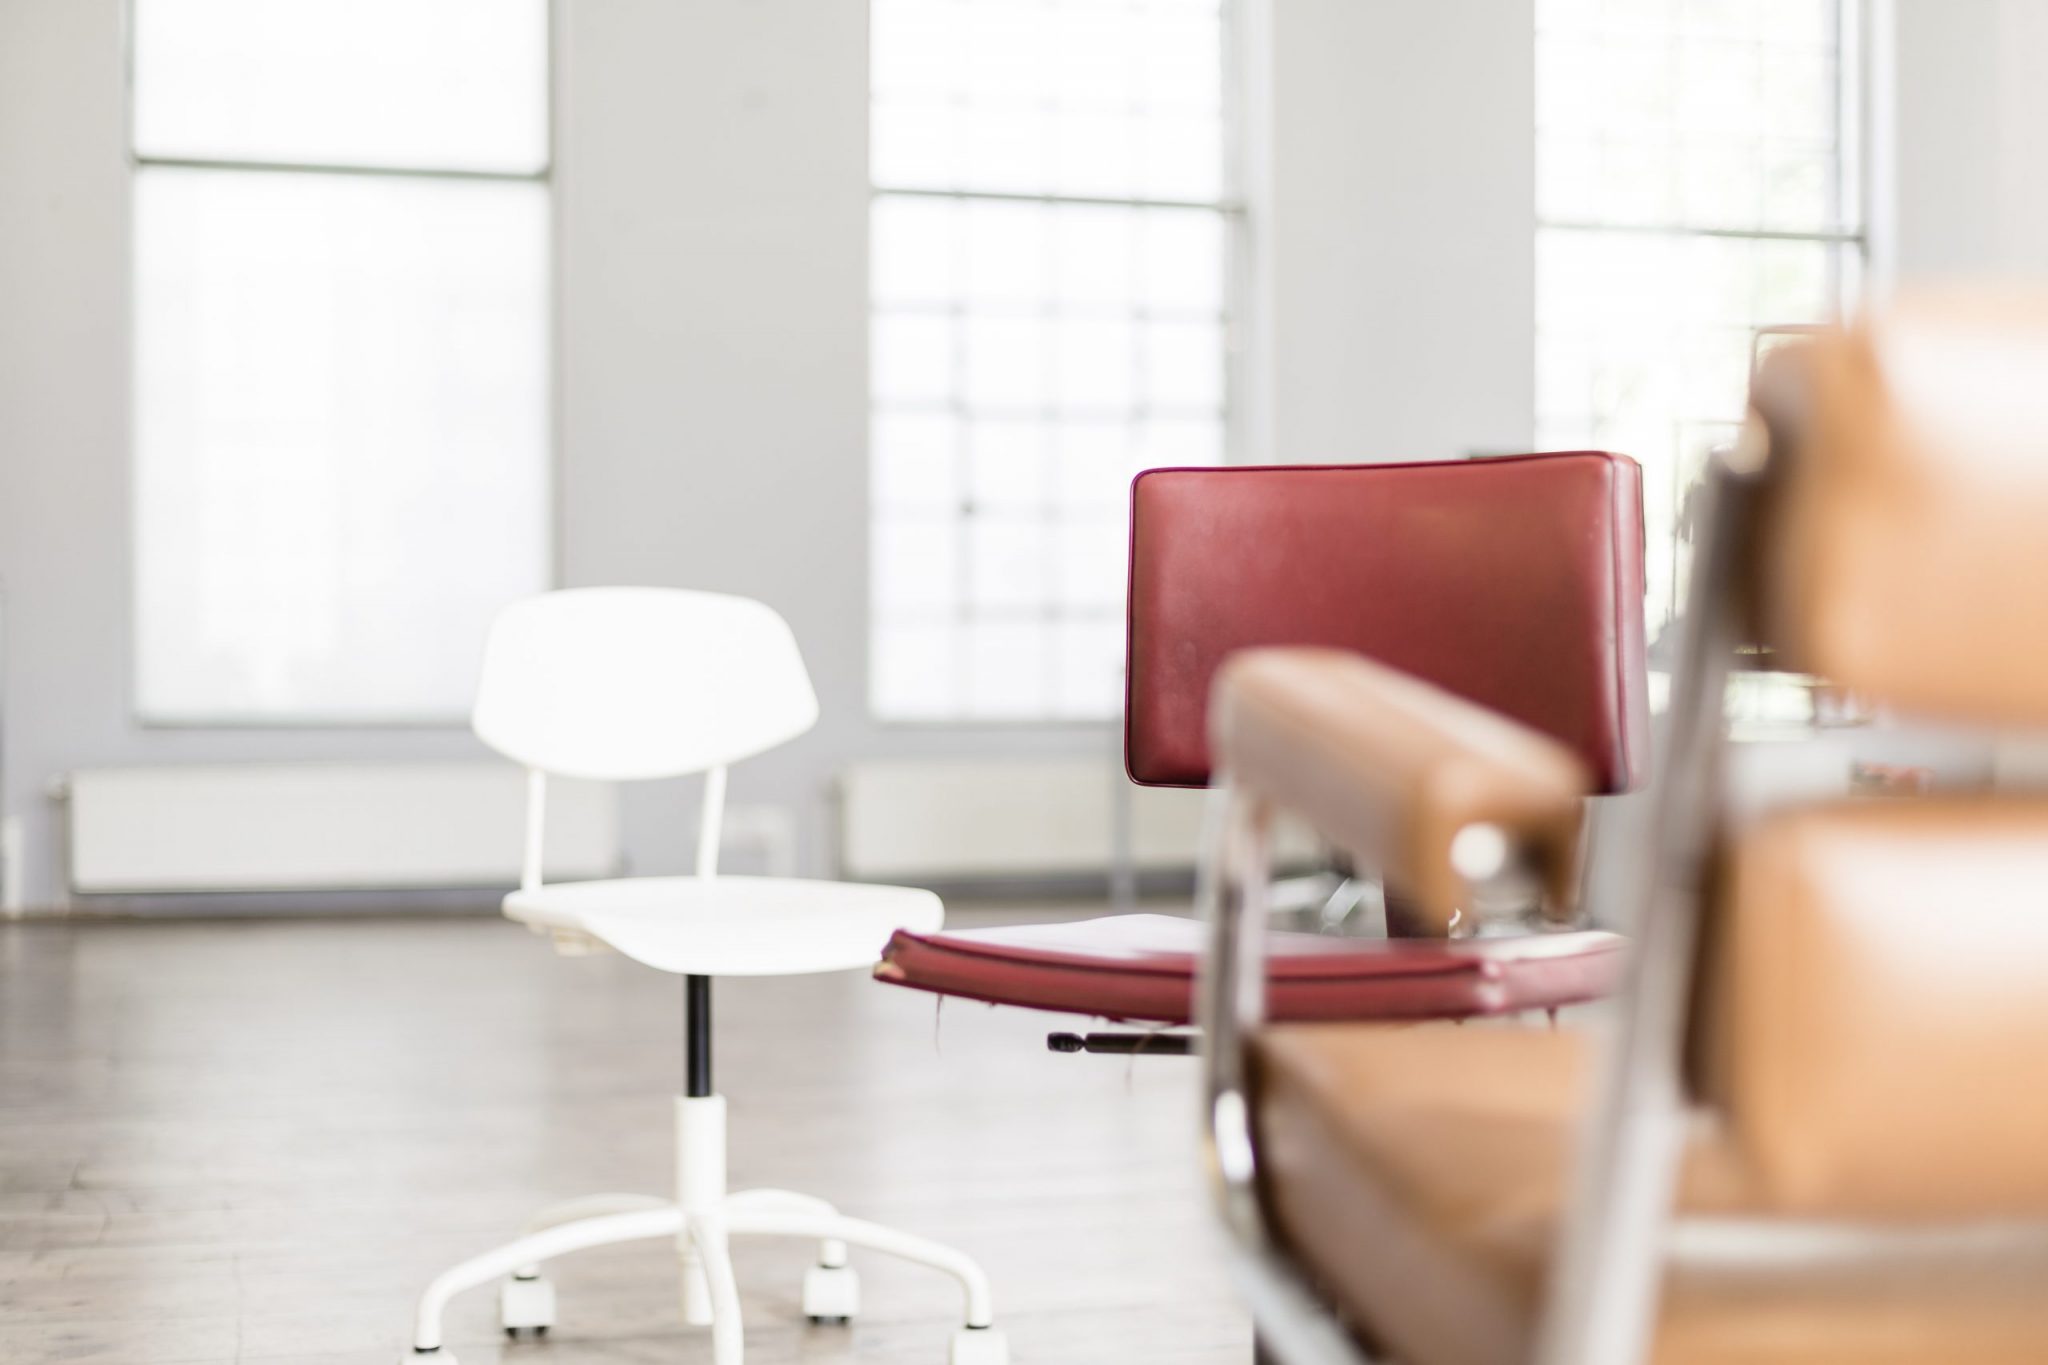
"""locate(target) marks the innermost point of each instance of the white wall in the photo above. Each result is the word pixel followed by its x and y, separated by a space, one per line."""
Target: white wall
pixel 1393 210
pixel 1970 181
pixel 712 195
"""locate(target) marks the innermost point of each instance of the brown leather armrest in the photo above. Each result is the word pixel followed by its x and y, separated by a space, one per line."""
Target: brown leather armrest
pixel 1392 769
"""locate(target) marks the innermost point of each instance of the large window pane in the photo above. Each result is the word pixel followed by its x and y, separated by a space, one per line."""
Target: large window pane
pixel 341 438
pixel 1118 100
pixel 1695 186
pixel 437 84
pixel 1032 350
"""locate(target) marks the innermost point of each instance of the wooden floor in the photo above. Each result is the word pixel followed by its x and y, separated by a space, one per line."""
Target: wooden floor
pixel 256 1141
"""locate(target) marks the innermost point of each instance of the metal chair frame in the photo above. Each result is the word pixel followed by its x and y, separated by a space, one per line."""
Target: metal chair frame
pixel 1602 1305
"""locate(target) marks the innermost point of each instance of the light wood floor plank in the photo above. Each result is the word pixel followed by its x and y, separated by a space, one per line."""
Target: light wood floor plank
pixel 255 1142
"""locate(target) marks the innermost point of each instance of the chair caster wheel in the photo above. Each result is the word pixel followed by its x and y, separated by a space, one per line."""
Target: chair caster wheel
pixel 979 1346
pixel 526 1305
pixel 831 1294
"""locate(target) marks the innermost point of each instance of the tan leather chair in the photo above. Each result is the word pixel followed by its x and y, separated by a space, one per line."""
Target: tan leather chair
pixel 1817 1129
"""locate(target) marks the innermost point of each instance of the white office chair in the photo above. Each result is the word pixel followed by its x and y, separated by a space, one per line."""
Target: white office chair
pixel 621 684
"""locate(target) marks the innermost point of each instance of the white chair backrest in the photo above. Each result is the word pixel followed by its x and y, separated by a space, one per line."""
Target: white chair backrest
pixel 620 684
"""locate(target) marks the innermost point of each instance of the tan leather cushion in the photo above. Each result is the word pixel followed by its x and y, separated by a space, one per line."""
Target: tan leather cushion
pixel 1908 558
pixel 1420 1174
pixel 1392 768
pixel 1879 1029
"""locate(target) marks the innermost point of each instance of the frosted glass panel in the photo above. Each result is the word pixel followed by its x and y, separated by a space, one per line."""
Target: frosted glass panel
pixel 1696 115
pixel 1172 442
pixel 1092 468
pixel 341 439
pixel 1008 666
pixel 1089 564
pixel 914 670
pixel 1095 254
pixel 441 84
pixel 1008 561
pixel 916 562
pixel 1047 97
pixel 1006 362
pixel 1009 252
pixel 1032 354
pixel 1184 364
pixel 1183 262
pixel 1091 668
pixel 913 358
pixel 1006 464
pixel 915 462
pixel 916 245
pixel 1097 364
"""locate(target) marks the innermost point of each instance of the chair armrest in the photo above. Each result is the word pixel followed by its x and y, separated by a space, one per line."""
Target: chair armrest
pixel 1395 770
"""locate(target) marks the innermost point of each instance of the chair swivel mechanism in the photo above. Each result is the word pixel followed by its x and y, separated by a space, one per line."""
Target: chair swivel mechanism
pixel 626 684
pixel 1814 1132
pixel 1514 584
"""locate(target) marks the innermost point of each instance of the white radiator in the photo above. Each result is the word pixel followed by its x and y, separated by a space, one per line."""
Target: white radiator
pixel 963 819
pixel 325 827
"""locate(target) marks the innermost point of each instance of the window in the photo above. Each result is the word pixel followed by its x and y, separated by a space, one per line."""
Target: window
pixel 1050 314
pixel 341 351
pixel 1696 185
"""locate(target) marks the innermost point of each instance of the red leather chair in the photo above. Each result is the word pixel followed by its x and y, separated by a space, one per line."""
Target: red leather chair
pixel 1513 582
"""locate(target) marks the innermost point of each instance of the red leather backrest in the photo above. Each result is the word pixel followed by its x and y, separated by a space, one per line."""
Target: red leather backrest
pixel 1516 582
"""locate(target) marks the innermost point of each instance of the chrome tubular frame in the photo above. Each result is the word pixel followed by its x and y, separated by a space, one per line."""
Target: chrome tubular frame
pixel 1294 1326
pixel 1601 1306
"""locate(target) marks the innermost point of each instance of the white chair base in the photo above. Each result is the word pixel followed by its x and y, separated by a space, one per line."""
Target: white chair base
pixel 701 1220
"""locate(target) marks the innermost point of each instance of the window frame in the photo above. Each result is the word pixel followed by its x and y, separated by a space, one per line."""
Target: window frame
pixel 1854 77
pixel 1238 332
pixel 139 164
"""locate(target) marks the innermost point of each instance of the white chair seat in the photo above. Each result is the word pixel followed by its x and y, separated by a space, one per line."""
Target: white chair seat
pixel 732 926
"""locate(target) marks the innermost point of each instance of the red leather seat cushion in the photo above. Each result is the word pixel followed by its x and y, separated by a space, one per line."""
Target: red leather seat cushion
pixel 1142 967
pixel 1515 582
